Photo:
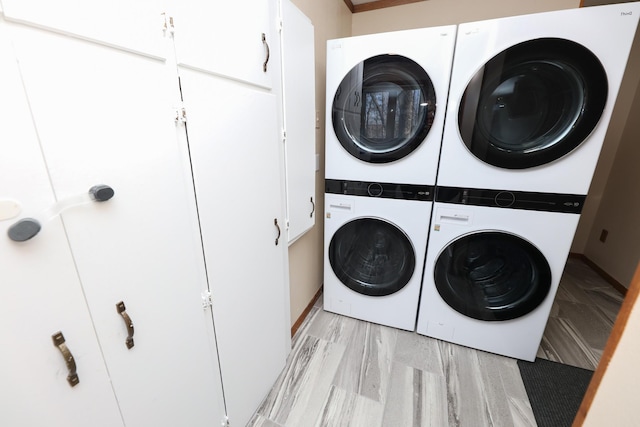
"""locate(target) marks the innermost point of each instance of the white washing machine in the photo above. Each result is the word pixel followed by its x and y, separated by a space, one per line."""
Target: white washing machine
pixel 531 97
pixel 375 238
pixel 493 267
pixel 386 99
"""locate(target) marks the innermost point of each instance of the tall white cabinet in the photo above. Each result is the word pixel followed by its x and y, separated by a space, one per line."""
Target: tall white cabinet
pixel 40 293
pixel 99 115
pixel 153 102
pixel 227 76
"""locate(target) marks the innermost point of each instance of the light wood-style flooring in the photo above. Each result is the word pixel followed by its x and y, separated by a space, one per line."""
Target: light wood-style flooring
pixel 347 372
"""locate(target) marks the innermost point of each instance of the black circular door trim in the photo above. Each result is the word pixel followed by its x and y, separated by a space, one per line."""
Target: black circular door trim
pixel 533 103
pixel 372 256
pixel 492 276
pixel 398 127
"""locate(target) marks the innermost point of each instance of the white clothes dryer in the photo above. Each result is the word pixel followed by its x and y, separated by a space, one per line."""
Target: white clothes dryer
pixel 375 239
pixel 531 98
pixel 386 99
pixel 493 267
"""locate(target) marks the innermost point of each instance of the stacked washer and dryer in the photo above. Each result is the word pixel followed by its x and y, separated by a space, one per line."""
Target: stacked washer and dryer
pixel 529 103
pixel 386 98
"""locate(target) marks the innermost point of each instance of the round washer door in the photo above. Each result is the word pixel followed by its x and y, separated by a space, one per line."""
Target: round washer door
pixel 492 276
pixel 372 257
pixel 384 108
pixel 533 103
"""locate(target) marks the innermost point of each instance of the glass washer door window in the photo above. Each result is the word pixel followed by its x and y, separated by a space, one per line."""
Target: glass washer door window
pixel 492 276
pixel 383 108
pixel 532 103
pixel 372 257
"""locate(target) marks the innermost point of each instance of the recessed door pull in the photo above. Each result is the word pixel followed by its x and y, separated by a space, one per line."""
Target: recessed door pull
pixel 58 341
pixel 27 228
pixel 128 323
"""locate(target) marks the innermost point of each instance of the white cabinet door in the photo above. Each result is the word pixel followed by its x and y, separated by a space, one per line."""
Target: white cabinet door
pixel 131 25
pixel 105 116
pixel 233 138
pixel 225 38
pixel 298 82
pixel 40 292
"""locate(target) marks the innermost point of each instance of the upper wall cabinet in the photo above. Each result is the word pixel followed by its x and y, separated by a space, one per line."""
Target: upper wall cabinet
pixel 231 39
pixel 131 25
pixel 298 93
pixel 105 116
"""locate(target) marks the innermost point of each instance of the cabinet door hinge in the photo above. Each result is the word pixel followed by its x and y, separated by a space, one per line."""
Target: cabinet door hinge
pixel 207 300
pixel 181 115
pixel 225 422
pixel 167 24
pixel 284 136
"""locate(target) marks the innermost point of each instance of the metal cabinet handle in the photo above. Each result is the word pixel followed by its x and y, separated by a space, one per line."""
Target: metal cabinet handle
pixel 127 322
pixel 58 341
pixel 313 208
pixel 27 228
pixel 275 222
pixel 264 41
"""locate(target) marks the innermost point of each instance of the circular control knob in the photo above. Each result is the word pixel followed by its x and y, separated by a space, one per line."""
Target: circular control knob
pixel 504 199
pixel 375 189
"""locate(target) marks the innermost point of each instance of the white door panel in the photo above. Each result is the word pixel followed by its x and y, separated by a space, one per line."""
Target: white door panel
pixel 233 139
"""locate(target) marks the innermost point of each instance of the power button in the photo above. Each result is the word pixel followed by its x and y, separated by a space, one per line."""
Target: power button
pixel 374 189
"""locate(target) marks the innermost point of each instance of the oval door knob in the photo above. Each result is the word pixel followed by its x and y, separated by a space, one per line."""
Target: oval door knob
pixel 127 322
pixel 24 229
pixel 101 193
pixel 59 341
